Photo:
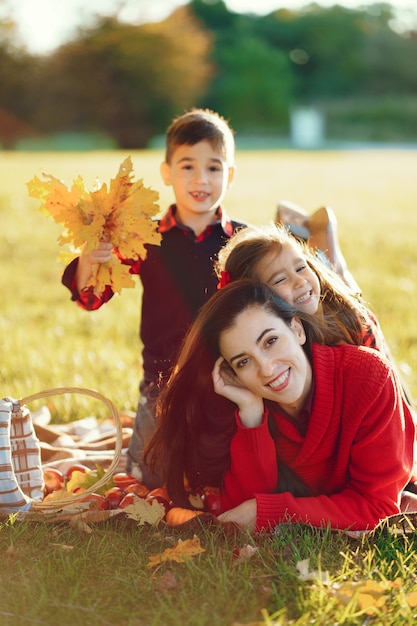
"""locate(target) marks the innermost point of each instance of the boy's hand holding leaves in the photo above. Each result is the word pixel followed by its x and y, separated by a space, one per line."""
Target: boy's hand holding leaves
pixel 121 214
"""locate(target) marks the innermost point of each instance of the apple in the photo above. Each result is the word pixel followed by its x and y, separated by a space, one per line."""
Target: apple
pixel 123 480
pixel 77 467
pixel 161 495
pixel 137 488
pixel 114 496
pixel 53 478
pixel 97 502
pixel 212 500
pixel 129 498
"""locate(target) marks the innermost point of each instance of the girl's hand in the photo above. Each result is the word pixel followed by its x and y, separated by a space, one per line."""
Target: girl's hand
pixel 243 515
pixel 227 384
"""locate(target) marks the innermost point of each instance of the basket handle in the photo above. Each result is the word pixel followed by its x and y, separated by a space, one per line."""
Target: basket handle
pixel 118 448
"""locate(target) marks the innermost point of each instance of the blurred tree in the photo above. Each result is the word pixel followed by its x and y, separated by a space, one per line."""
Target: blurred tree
pixel 15 68
pixel 339 52
pixel 127 81
pixel 252 85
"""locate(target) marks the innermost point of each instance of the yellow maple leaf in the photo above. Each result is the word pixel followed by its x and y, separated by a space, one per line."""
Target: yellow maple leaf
pixel 180 553
pixel 368 595
pixel 120 213
pixel 411 599
pixel 145 512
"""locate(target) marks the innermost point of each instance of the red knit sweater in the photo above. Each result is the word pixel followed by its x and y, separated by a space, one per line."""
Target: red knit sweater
pixel 356 456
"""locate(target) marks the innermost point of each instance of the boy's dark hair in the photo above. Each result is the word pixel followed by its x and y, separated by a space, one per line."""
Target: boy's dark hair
pixel 201 125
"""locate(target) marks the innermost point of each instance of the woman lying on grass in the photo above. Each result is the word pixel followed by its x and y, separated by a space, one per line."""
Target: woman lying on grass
pixel 288 429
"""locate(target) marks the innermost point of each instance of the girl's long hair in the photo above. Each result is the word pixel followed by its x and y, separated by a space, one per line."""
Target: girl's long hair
pixel 194 424
pixel 343 310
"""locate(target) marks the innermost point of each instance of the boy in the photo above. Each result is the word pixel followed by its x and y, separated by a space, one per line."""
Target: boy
pixel 177 276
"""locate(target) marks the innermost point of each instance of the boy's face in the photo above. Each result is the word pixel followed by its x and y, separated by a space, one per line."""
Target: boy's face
pixel 200 176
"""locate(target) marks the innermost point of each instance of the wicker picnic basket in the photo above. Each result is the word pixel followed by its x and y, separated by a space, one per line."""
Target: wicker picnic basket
pixel 21 473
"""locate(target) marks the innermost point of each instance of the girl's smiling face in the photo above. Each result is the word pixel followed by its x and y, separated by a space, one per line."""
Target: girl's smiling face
pixel 290 277
pixel 267 357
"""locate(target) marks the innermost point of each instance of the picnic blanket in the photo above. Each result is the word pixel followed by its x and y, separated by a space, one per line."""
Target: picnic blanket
pixel 88 440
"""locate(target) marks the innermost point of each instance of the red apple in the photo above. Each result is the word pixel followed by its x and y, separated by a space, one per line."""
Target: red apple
pixel 53 479
pixel 114 496
pixel 77 467
pixel 161 495
pixel 129 498
pixel 123 480
pixel 212 500
pixel 137 488
pixel 97 502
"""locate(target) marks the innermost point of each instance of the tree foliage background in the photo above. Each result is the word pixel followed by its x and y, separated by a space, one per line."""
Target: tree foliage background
pixel 128 81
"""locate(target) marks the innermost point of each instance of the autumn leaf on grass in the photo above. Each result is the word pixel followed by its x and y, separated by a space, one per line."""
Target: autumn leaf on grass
pixel 244 554
pixel 371 595
pixel 180 553
pixel 411 599
pixel 120 213
pixel 145 512
pixel 303 568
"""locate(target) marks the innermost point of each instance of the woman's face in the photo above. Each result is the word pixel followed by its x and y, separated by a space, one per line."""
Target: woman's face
pixel 290 277
pixel 267 357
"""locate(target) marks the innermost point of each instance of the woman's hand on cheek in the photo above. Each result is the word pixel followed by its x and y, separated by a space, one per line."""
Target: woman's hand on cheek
pixel 227 384
pixel 243 515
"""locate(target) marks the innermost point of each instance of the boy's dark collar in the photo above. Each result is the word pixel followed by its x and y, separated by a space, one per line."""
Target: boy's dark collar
pixel 169 221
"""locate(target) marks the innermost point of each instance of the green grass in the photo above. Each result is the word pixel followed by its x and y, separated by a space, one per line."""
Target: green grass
pixel 49 342
pixel 56 575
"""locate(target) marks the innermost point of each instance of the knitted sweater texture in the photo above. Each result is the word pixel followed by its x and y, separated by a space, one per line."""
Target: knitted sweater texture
pixel 356 456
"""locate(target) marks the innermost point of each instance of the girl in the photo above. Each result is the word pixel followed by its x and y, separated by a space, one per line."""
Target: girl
pixel 270 254
pixel 287 428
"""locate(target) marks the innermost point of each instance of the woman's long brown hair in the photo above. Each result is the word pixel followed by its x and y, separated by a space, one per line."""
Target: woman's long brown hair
pixel 194 424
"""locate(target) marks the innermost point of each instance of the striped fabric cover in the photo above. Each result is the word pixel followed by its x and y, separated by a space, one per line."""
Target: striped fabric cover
pixel 21 474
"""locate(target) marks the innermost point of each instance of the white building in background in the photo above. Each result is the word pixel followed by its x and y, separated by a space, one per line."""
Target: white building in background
pixel 307 128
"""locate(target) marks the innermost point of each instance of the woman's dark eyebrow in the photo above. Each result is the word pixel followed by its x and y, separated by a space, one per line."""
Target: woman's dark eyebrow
pixel 259 339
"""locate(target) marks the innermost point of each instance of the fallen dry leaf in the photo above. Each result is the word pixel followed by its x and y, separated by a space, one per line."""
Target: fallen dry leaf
pixel 245 554
pixel 145 512
pixel 368 595
pixel 306 574
pixel 180 553
pixel 411 599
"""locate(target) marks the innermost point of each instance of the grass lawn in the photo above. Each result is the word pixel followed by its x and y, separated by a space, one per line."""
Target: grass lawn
pixel 54 574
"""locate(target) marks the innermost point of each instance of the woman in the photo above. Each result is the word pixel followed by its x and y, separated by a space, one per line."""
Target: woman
pixel 287 428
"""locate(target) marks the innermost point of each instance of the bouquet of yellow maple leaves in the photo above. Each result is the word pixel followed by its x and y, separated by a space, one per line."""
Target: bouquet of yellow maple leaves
pixel 121 213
